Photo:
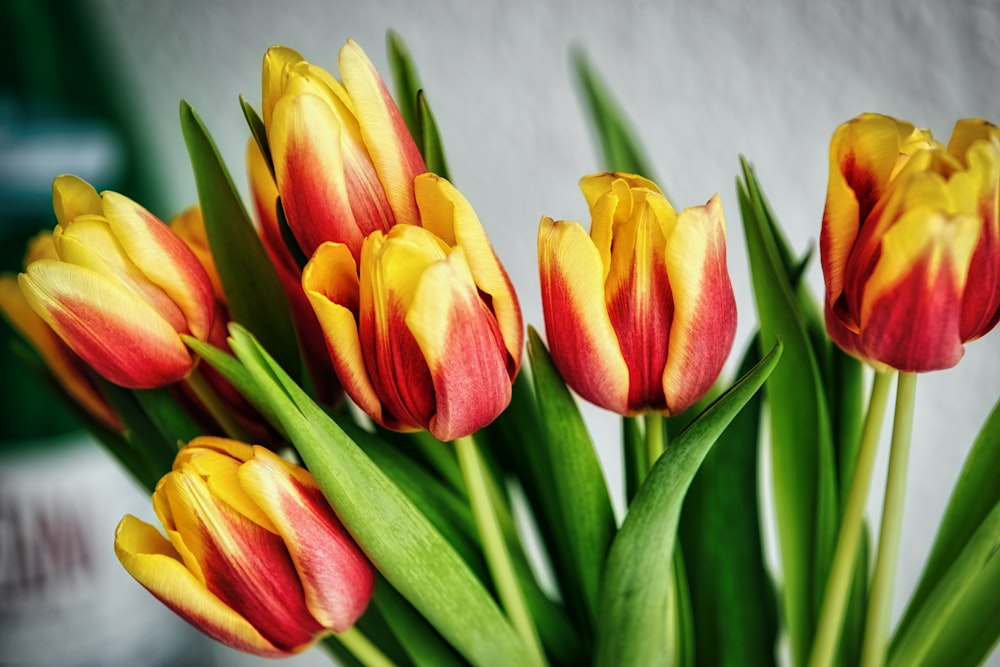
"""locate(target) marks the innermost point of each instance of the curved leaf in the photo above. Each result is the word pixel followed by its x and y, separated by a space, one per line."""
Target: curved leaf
pixel 638 570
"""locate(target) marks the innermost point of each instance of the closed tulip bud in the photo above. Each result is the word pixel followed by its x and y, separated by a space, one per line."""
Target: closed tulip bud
pixel 69 371
pixel 344 160
pixel 639 314
pixel 254 555
pixel 425 333
pixel 121 289
pixel 910 243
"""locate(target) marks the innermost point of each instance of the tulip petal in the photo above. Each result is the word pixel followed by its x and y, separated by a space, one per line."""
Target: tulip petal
pixel 911 312
pixel 101 321
pixel 162 256
pixel 392 149
pixel 338 580
pixel 330 280
pixel 278 60
pixel 595 186
pixel 447 213
pixel 582 341
pixel 73 197
pixel 153 562
pixel 704 320
pixel 247 567
pixel 463 347
pixel 310 170
pixel 68 370
pixel 639 298
pixel 390 269
pixel 863 154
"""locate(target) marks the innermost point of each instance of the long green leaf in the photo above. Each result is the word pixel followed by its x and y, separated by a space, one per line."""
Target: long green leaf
pixel 577 481
pixel 637 574
pixel 619 149
pixel 732 597
pixel 253 291
pixel 431 146
pixel 409 552
pixel 803 476
pixel 976 494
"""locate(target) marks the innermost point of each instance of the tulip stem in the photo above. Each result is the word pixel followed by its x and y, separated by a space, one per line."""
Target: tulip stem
pixel 220 412
pixel 880 601
pixel 362 648
pixel 495 549
pixel 655 438
pixel 831 617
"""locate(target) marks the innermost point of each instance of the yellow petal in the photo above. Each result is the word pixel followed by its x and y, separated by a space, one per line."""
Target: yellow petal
pixel 72 196
pixel 151 560
pixel 277 61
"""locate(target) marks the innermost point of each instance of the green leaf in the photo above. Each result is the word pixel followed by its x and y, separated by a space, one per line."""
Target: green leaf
pixel 430 143
pixel 804 478
pixel 732 597
pixel 635 588
pixel 253 291
pixel 973 501
pixel 421 642
pixel 399 540
pixel 619 149
pixel 635 459
pixel 579 492
pixel 258 132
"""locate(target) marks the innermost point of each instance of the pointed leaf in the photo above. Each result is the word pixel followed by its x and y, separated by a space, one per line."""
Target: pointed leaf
pixel 253 291
pixel 580 495
pixel 258 132
pixel 803 477
pixel 406 82
pixel 430 143
pixel 637 574
pixel 619 149
pixel 732 598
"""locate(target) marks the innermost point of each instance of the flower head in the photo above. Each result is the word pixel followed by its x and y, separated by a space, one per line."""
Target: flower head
pixel 254 556
pixel 344 160
pixel 425 332
pixel 640 314
pixel 121 288
pixel 907 223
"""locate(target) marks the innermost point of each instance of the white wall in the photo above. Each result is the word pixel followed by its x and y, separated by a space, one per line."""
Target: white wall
pixel 702 82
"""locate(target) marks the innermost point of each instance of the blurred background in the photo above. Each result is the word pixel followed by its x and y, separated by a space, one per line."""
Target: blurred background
pixel 92 88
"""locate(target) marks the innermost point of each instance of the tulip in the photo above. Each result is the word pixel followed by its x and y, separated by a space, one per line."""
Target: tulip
pixel 907 223
pixel 68 370
pixel 343 158
pixel 121 289
pixel 425 332
pixel 640 315
pixel 254 556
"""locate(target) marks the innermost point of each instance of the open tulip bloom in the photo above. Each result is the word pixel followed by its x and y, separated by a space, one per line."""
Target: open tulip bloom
pixel 346 431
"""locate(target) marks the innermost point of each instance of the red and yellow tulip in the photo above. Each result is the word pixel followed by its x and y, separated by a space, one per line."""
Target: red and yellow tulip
pixel 639 314
pixel 67 368
pixel 425 331
pixel 343 158
pixel 910 244
pixel 254 555
pixel 121 288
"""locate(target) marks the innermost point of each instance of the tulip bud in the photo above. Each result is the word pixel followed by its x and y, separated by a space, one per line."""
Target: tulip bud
pixel 640 315
pixel 344 160
pixel 907 222
pixel 69 371
pixel 254 555
pixel 121 288
pixel 426 331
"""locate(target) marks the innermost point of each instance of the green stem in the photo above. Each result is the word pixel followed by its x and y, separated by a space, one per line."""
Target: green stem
pixel 213 403
pixel 362 648
pixel 655 439
pixel 880 602
pixel 495 549
pixel 831 617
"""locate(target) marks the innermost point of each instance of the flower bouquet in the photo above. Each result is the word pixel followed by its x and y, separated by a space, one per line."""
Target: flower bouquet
pixel 328 403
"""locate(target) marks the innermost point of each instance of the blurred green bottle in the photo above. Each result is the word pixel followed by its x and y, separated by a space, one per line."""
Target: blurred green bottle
pixel 64 598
